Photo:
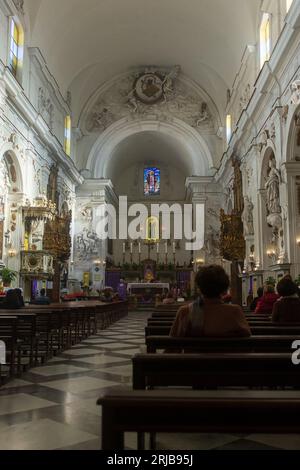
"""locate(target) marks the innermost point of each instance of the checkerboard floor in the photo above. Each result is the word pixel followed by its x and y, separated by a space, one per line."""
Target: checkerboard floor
pixel 54 406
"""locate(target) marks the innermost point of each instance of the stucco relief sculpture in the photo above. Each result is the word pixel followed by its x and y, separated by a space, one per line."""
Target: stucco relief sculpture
pixel 19 5
pixel 245 97
pixel 87 244
pixel 45 107
pixel 204 116
pixel 247 217
pixel 295 92
pixel 212 242
pixel 154 93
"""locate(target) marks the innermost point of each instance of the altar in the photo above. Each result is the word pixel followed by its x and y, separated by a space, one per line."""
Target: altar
pixel 155 287
pixel 146 291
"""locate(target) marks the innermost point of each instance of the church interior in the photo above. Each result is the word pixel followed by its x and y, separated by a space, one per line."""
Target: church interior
pixel 149 152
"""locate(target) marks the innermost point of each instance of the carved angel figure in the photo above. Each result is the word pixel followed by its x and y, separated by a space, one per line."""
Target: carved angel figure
pixel 204 116
pixel 168 83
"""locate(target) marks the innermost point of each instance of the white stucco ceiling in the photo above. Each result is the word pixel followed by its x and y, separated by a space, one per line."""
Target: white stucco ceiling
pixel 87 42
pixel 150 148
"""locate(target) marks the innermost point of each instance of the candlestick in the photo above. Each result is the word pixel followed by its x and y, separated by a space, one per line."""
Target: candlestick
pixel 123 248
pixel 166 248
pixel 174 248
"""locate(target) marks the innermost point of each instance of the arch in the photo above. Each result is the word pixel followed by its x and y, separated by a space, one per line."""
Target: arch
pixel 264 170
pixel 292 134
pixel 8 150
pixel 200 160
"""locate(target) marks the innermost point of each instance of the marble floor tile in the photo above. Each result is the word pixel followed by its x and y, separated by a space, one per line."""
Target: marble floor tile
pixel 100 359
pixel 80 352
pixel 57 369
pixel 88 405
pixel 79 384
pixel 21 402
pixel 93 444
pixel 43 434
pixel 120 370
pixel 193 441
pixel 131 352
pixel 245 444
pixel 57 359
pixel 282 441
pixel 115 346
pixel 97 341
pixel 16 383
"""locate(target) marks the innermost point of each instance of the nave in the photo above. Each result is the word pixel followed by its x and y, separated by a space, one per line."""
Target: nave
pixel 54 406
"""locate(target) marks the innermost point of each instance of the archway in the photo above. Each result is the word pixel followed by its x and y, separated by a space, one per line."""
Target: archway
pixel 11 186
pixel 195 151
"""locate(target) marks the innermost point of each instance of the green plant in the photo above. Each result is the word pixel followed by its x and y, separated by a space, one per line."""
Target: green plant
pixel 297 281
pixel 135 267
pixel 126 266
pixel 7 276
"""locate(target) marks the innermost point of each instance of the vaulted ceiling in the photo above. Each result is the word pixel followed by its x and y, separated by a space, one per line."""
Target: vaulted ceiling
pixel 88 42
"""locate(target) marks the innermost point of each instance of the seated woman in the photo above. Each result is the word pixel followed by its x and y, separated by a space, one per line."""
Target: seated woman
pixel 266 302
pixel 287 308
pixel 208 315
pixel 260 293
pixel 13 300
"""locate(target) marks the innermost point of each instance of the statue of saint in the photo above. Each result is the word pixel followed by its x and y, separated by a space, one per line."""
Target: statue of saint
pixel 272 187
pixel 247 216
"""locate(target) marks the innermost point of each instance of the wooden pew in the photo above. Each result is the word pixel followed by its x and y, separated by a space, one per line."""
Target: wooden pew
pixel 278 343
pixel 44 330
pixel 215 370
pixel 275 329
pixel 8 334
pixel 172 411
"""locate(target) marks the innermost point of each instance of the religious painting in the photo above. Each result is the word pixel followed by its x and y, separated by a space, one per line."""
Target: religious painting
pixel 151 181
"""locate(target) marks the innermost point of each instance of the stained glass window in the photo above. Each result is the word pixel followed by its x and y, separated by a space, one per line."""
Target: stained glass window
pixel 151 181
pixel 265 39
pixel 67 143
pixel 16 47
pixel 228 127
pixel 288 4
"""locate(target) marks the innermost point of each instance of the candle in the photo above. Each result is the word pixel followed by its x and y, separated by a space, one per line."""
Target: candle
pixel 139 247
pixel 166 248
pixel 123 248
pixel 174 248
pixel 157 248
pixel 131 248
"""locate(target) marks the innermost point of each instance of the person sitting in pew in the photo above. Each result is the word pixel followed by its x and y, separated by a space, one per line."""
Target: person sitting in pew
pixel 42 299
pixel 260 293
pixel 208 315
pixel 287 308
pixel 13 300
pixel 266 302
